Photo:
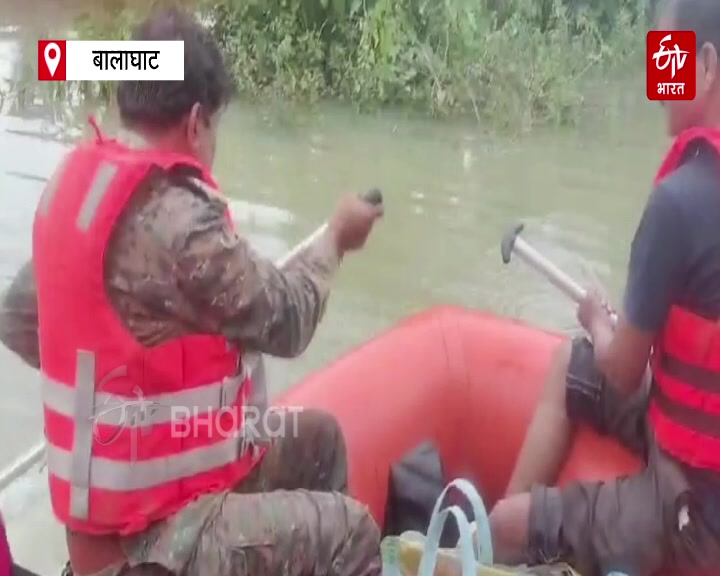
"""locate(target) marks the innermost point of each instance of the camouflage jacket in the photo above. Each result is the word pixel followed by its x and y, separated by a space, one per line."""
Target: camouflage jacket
pixel 175 266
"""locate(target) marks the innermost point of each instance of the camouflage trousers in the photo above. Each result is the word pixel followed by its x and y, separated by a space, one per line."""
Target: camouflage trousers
pixel 290 517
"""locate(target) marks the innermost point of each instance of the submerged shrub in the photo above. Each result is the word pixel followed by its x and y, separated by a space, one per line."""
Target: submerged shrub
pixel 513 63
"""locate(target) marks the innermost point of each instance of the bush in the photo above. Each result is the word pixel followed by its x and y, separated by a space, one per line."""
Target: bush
pixel 512 63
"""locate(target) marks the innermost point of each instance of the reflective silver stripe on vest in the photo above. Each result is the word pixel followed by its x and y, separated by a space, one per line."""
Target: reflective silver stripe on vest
pixel 82 404
pixel 101 183
pixel 142 474
pixel 141 410
pixel 82 451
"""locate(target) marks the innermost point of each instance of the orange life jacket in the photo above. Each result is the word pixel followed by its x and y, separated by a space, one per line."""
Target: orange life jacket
pixel 685 405
pixel 119 454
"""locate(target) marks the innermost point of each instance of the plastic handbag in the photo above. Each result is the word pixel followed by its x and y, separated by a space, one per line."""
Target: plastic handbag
pixel 414 554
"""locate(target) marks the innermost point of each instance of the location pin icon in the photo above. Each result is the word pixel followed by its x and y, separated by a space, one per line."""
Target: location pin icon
pixel 52 57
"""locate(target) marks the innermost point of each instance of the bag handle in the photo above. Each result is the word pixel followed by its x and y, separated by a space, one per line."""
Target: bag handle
pixel 432 542
pixel 484 552
pixel 390 554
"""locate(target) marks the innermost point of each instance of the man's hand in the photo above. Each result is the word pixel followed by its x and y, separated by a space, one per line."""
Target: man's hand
pixel 352 222
pixel 593 310
pixel 621 350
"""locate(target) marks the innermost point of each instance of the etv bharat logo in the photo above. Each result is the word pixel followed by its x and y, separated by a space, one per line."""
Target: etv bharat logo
pixel 671 65
pixel 674 57
pixel 117 414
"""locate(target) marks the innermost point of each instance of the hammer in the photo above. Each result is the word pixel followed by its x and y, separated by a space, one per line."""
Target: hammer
pixel 512 243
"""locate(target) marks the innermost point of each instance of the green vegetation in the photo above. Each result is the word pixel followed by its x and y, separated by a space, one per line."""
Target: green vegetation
pixel 507 63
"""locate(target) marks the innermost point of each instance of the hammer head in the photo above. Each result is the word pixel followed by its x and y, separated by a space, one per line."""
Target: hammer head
pixel 508 242
pixel 373 196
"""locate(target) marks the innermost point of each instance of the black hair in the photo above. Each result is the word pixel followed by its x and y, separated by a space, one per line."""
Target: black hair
pixel 162 104
pixel 700 16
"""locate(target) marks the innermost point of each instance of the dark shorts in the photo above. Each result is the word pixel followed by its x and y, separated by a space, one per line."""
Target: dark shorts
pixel 636 524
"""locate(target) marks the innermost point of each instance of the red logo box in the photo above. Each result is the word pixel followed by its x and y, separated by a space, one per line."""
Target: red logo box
pixel 51 60
pixel 671 60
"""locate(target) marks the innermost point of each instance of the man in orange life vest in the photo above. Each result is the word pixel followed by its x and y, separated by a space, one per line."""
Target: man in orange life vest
pixel 667 516
pixel 141 289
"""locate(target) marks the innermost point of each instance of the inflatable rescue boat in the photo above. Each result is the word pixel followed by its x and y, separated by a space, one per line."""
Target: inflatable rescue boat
pixel 463 380
pixel 466 381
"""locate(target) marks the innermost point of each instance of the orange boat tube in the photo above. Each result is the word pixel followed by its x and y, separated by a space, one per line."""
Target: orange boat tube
pixel 467 381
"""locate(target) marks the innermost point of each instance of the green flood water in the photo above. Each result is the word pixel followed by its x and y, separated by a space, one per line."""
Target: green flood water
pixel 450 190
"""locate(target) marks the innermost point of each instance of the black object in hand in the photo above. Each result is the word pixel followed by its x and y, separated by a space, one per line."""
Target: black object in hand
pixel 373 196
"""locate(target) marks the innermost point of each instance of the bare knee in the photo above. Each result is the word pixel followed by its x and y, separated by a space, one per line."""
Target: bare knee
pixel 316 421
pixel 327 435
pixel 509 526
pixel 319 427
pixel 313 455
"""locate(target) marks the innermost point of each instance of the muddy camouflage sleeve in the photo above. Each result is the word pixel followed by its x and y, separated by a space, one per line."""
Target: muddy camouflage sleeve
pixel 19 316
pixel 175 266
pixel 234 291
